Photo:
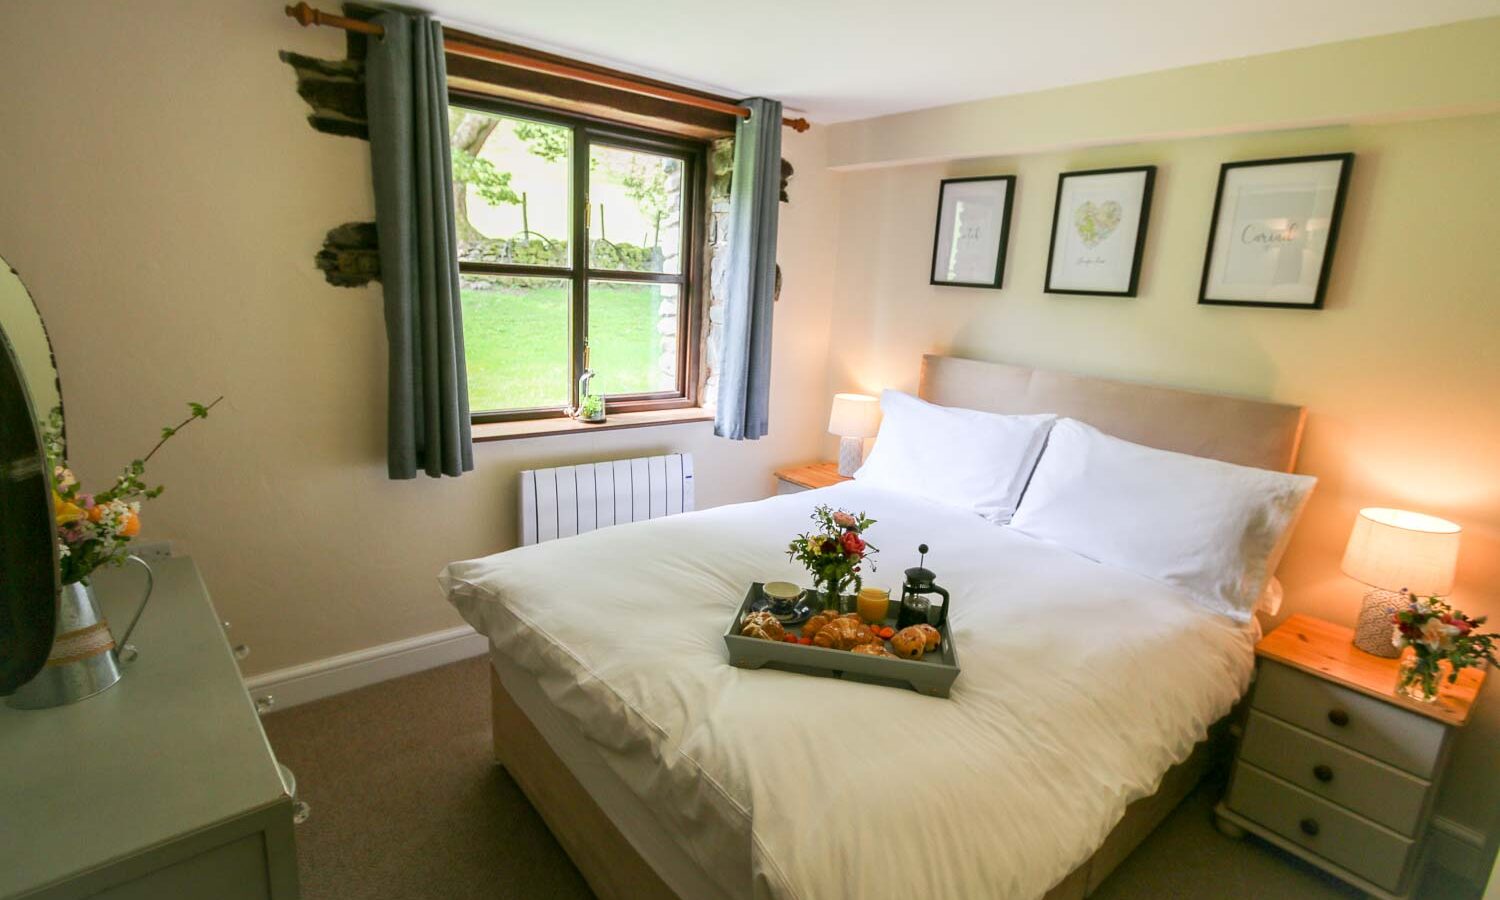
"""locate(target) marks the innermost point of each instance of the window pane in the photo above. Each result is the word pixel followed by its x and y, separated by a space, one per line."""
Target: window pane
pixel 511 185
pixel 516 342
pixel 633 331
pixel 635 220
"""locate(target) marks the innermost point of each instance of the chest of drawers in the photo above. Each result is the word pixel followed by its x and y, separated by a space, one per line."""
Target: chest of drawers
pixel 161 787
pixel 1334 766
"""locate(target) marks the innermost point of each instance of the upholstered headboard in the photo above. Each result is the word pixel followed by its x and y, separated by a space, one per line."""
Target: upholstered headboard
pixel 1234 429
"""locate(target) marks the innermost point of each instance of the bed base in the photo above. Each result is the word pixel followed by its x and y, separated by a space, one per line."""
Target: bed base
pixel 615 871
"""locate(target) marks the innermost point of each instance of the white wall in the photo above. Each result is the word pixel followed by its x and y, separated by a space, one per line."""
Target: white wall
pixel 163 196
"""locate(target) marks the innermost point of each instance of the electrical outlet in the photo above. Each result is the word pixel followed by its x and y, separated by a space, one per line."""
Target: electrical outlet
pixel 152 551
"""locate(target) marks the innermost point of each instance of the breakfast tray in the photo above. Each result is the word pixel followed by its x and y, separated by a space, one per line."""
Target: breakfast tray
pixel 933 674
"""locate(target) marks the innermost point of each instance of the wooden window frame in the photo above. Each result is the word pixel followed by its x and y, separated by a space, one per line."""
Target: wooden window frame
pixel 587 131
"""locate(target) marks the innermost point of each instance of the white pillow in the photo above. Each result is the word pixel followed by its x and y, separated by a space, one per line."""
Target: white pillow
pixel 962 457
pixel 1211 528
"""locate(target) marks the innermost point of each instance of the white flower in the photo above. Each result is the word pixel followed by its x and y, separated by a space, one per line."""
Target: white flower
pixel 1423 606
pixel 1397 639
pixel 1437 635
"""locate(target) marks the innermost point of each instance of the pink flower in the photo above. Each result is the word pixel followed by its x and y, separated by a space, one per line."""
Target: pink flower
pixel 844 519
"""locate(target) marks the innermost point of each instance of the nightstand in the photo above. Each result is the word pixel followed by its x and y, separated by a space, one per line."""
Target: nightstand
pixel 795 479
pixel 1334 766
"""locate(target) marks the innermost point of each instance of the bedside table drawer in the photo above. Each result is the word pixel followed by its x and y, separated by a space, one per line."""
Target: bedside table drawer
pixel 1339 836
pixel 1373 789
pixel 1385 731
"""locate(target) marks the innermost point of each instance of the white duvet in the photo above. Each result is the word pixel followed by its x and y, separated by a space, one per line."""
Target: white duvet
pixel 1081 685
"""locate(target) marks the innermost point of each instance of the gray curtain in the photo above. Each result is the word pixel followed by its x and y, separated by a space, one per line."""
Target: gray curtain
pixel 407 95
pixel 745 369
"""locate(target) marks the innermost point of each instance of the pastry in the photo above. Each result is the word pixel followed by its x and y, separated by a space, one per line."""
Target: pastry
pixel 843 634
pixel 875 648
pixel 762 625
pixel 910 642
pixel 930 636
pixel 816 623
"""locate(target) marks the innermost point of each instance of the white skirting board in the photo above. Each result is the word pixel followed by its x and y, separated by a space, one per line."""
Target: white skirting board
pixel 336 674
pixel 1455 847
pixel 1458 849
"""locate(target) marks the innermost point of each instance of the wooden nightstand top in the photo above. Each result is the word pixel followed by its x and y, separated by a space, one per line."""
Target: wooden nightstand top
pixel 1327 650
pixel 813 475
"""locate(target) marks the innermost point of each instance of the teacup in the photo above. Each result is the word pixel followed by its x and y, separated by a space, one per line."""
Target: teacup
pixel 781 597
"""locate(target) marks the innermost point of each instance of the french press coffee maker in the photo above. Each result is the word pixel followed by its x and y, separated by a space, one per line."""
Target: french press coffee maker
pixel 916 608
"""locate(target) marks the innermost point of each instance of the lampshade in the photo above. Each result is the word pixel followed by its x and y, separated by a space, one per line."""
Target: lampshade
pixel 1394 549
pixel 854 415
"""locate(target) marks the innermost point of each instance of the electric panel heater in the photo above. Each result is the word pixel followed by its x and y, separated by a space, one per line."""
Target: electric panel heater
pixel 569 500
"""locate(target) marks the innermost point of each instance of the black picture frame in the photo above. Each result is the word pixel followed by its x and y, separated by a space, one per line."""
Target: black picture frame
pixel 1140 235
pixel 937 229
pixel 1346 165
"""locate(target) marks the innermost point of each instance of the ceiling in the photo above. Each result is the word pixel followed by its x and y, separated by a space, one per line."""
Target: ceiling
pixel 836 60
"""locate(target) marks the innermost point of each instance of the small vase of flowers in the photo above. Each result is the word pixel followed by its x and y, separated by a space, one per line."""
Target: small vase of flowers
pixel 95 529
pixel 835 553
pixel 1436 633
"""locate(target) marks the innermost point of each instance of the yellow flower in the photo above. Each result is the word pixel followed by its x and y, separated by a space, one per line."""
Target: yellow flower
pixel 66 511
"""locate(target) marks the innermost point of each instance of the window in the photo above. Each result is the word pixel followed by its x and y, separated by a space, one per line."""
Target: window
pixel 577 247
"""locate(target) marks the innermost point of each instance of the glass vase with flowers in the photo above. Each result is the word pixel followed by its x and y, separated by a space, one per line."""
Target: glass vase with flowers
pixel 1437 633
pixel 835 553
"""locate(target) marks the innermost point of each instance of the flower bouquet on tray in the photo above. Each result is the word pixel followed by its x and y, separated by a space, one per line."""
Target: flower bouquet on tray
pixel 835 553
pixel 1437 632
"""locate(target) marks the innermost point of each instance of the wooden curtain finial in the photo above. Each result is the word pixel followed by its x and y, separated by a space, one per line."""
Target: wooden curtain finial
pixel 303 13
pixel 798 125
pixel 307 15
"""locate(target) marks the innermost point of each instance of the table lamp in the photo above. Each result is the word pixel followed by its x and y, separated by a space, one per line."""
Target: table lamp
pixel 854 418
pixel 1397 552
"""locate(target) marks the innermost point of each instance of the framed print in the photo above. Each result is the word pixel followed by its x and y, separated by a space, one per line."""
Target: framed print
pixel 973 227
pixel 1274 226
pixel 1099 231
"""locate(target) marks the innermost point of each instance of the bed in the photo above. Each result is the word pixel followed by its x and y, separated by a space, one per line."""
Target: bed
pixel 1082 716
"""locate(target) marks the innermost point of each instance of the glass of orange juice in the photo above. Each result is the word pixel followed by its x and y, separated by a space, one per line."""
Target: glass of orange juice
pixel 873 604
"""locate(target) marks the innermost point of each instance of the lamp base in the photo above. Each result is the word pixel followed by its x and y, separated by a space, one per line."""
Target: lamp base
pixel 1372 633
pixel 851 455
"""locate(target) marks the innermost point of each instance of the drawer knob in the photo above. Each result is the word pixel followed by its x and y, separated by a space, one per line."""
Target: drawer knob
pixel 1338 717
pixel 1323 773
pixel 1309 827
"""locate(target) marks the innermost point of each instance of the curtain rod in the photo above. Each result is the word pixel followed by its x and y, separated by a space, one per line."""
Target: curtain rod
pixel 307 15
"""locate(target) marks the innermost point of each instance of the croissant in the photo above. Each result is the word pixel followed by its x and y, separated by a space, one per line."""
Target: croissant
pixel 762 625
pixel 930 636
pixel 910 642
pixel 843 634
pixel 872 649
pixel 816 623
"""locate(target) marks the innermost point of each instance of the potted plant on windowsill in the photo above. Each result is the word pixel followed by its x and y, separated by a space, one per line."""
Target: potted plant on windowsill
pixel 590 405
pixel 591 409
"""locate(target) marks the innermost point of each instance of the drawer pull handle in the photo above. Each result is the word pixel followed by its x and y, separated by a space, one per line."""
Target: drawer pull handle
pixel 1338 717
pixel 1323 773
pixel 1309 827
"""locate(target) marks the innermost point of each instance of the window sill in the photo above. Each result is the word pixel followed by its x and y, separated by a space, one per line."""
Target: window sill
pixel 530 428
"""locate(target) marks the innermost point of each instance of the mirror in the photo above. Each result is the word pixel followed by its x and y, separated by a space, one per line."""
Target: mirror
pixel 29 391
pixel 23 327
